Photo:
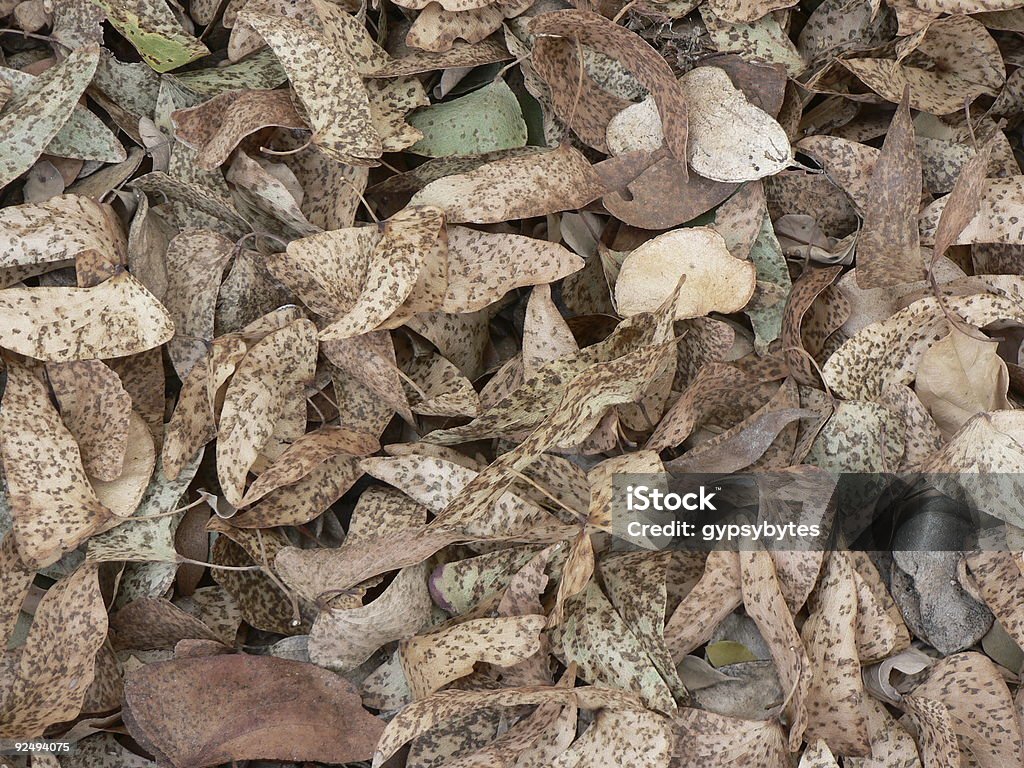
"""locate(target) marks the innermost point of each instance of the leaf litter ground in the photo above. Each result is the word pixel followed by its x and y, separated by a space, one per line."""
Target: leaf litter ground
pixel 325 329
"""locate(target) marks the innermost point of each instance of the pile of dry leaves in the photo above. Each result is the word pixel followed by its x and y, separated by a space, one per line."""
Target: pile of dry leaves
pixel 325 329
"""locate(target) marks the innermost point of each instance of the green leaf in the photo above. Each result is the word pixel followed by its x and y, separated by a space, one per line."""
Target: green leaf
pixel 83 136
pixel 773 287
pixel 726 652
pixel 151 27
pixel 485 120
pixel 262 70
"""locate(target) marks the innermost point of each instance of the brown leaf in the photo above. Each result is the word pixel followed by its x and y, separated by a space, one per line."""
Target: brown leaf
pixel 888 252
pixel 216 709
pixel 636 56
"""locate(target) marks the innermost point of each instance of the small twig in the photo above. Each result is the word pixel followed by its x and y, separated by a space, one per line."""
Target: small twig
pixel 286 152
pixel 366 205
pixel 34 36
pixel 190 561
pixel 296 613
pixel 625 9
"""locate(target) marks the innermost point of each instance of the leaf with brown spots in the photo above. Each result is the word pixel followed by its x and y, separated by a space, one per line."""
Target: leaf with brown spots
pixel 433 660
pixel 49 676
pixel 515 188
pixel 274 370
pixel 53 510
pixel 96 409
pixel 636 56
pixel 325 81
pixel 118 317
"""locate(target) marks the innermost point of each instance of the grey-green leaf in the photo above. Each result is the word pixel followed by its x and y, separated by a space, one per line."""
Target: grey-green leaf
pixel 486 120
pixel 30 120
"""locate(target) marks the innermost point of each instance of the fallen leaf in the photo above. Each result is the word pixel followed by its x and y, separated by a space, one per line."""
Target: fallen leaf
pixel 256 706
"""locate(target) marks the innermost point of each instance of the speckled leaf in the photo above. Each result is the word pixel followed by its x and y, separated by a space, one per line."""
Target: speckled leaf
pixel 608 652
pixel 96 409
pixel 273 371
pixel 433 660
pixel 325 81
pixel 835 695
pixel 156 34
pixel 484 266
pixel 515 188
pixel 216 127
pixel 46 685
pixel 83 136
pixel 967 685
pixel 966 64
pixel 343 639
pixel 891 350
pixel 30 121
pixel 195 259
pixel 888 253
pixel 763 600
pixel 58 229
pixel 709 740
pixel 636 56
pixel 53 511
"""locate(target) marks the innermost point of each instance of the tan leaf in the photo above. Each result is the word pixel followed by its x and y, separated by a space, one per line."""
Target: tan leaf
pixel 59 228
pixel 116 318
pixel 515 188
pixel 48 680
pixel 53 511
pixel 960 376
pixel 325 81
pixel 433 660
pixel 835 695
pixel 96 409
pixel 710 279
pixel 343 639
pixel 179 709
pixel 273 371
